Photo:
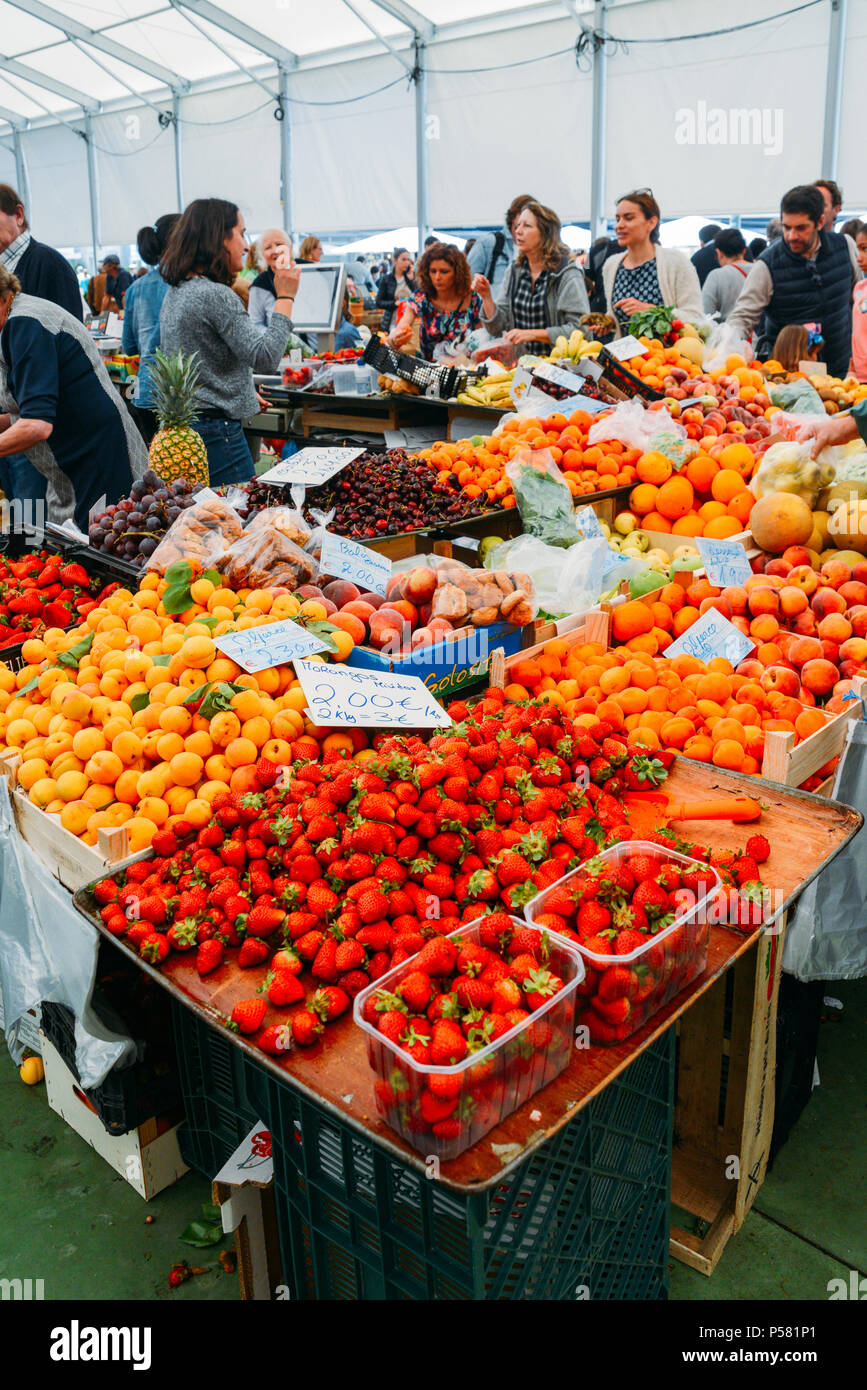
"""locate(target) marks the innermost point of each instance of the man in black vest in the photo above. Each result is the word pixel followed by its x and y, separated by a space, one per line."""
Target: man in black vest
pixel 805 276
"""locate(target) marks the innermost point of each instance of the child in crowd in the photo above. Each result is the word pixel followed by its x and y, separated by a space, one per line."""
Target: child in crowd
pixel 797 343
pixel 858 365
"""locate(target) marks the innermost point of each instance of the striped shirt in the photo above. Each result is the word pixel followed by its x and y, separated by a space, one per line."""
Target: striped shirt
pixel 14 251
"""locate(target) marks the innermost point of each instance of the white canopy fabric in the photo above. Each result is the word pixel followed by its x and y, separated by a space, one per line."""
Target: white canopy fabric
pixel 683 232
pixel 387 241
pixel 726 122
pixel 576 238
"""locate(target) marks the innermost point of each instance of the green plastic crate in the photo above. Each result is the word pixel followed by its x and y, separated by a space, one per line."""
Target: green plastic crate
pixel 217 1082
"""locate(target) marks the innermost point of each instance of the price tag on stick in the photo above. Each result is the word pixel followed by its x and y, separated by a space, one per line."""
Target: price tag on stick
pixel 344 559
pixel 725 561
pixel 272 644
pixel 347 698
pixel 712 635
pixel 310 466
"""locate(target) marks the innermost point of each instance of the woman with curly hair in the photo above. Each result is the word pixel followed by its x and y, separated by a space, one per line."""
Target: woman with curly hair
pixel 444 304
pixel 543 294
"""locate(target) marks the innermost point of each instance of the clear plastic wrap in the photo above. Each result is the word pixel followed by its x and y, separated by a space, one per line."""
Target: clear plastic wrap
pixel 798 397
pixel 269 552
pixel 480 597
pixel 563 584
pixel 543 497
pixel 788 467
pixel 724 342
pixel 634 425
pixel 202 533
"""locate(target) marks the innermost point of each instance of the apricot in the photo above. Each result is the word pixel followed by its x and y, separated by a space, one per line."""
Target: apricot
pixel 631 620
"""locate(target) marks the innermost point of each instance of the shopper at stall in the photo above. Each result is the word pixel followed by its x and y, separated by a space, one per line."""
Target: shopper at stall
pixel 805 276
pixel 832 197
pixel 493 252
pixel 543 294
pixel 141 319
pixel 723 285
pixel 444 304
pixel 705 259
pixel 262 293
pixel 117 282
pixel 395 287
pixel 797 343
pixel 858 364
pixel 310 251
pixel 201 315
pixel 756 247
pixel 252 267
pixel 646 274
pixel 601 249
pixel 63 397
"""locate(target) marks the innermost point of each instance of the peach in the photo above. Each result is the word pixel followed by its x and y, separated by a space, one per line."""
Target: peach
pixel 740 622
pixel 793 601
pixel 348 622
pixel 404 609
pixel 757 564
pixel 386 627
pixel 830 650
pixel 819 676
pixel 329 605
pixel 804 649
pixel 423 637
pixel 803 577
pixel 721 605
pixel 859 572
pixel 309 591
pixel 752 669
pixel 835 628
pixel 440 625
pixel 784 706
pixel 736 598
pixel 853 591
pixel 341 592
pixel 835 573
pixel 858 618
pixel 421 585
pixel 854 649
pixel 762 600
pixel 825 601
pixel 373 600
pixel 769 654
pixel 805 623
pixel 781 680
pixel 359 609
pixel 806 696
pixel 779 566
pixel 848 669
pixel 797 555
pixel 764 627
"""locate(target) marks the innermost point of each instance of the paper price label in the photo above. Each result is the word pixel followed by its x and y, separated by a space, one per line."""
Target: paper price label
pixel 613 563
pixel 310 466
pixel 269 645
pixel 344 559
pixel 624 348
pixel 725 561
pixel 588 523
pixel 712 635
pixel 345 697
pixel 588 366
pixel 546 371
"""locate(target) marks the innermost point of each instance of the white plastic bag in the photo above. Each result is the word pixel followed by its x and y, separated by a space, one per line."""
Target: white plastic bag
pixel 724 341
pixel 639 428
pixel 565 583
pixel 826 937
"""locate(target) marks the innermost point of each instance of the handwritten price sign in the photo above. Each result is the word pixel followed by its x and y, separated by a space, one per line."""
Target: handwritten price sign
pixel 310 467
pixel 725 561
pixel 269 645
pixel 712 635
pixel 367 699
pixel 348 560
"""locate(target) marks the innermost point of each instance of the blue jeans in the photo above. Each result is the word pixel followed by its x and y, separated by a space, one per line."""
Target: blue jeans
pixel 229 457
pixel 18 478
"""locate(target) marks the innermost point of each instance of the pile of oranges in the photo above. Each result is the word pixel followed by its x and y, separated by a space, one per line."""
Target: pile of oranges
pixel 708 497
pixel 480 468
pixel 114 743
pixel 708 712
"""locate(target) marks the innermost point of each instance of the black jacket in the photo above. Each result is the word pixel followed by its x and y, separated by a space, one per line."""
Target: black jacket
pixel 385 297
pixel 705 261
pixel 45 274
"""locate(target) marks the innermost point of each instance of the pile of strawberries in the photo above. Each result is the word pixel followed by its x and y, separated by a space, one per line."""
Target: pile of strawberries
pixel 349 869
pixel 642 920
pixel 446 1007
pixel 40 590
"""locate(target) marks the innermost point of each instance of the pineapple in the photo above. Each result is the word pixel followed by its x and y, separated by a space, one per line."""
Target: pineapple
pixel 177 451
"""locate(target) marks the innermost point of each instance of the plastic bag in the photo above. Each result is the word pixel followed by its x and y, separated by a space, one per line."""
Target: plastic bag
pixel 826 936
pixel 267 554
pixel 482 597
pixel 639 428
pixel 543 497
pixel 797 396
pixel 788 467
pixel 321 522
pixel 563 584
pixel 481 346
pixel 724 342
pixel 201 533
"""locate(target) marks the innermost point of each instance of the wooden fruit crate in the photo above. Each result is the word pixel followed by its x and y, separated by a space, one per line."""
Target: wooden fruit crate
pixel 68 858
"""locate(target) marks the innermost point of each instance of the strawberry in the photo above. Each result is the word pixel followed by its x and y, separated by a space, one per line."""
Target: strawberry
pixel 525 940
pixel 448 1045
pixel 652 898
pixel 437 957
pixel 253 951
pixel 512 869
pixel 248 1014
pixel 599 945
pixel 377 806
pixel 350 955
pixel 287 959
pixel 353 982
pixel 282 988
pixel 505 995
pixel 154 948
pixel 758 848
pixel 616 983
pixel 433 1109
pixel 371 906
pixel 105 891
pixel 324 965
pixel 377 936
pixel 746 870
pixel 183 934
pixel 210 955
pixel 321 899
pixel 415 989
pixel 496 930
pixel 522 966
pixel 276 1040
pixel 308 945
pixel 473 993
pixel 330 1003
pixel 592 918
pixel 628 941
pixel 615 1011
pixel 393 1024
pixel 262 920
pixel 306 1027
pixel 539 986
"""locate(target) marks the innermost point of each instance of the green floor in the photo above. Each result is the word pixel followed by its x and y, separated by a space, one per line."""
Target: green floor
pixel 68 1219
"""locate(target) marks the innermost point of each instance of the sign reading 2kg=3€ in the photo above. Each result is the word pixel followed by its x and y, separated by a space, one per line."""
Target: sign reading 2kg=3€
pixel 344 559
pixel 343 697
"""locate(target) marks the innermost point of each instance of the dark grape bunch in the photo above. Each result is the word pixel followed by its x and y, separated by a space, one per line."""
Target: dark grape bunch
pixel 376 495
pixel 133 528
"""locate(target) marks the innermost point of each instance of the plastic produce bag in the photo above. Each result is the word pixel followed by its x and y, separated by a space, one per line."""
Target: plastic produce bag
pixel 723 342
pixel 321 522
pixel 269 553
pixel 481 346
pixel 797 396
pixel 563 584
pixel 826 937
pixel 788 467
pixel 543 497
pixel 639 428
pixel 481 597
pixel 202 533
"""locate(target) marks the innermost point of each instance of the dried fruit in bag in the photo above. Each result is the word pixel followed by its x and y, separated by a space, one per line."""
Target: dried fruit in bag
pixel 203 533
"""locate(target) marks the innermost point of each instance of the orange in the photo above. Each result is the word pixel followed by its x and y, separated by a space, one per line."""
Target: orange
pixel 738 457
pixel 722 527
pixel 689 525
pixel 654 467
pixel 675 498
pixel 655 521
pixel 642 499
pixel 727 484
pixel 701 472
pixel 741 505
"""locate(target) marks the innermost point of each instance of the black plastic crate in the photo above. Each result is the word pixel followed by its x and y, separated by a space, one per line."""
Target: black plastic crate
pixel 109 567
pixel 624 380
pixel 431 379
pixel 217 1085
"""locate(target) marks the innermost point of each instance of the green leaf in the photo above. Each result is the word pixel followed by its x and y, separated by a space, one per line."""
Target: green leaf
pixel 74 655
pixel 31 685
pixel 202 1234
pixel 165 659
pixel 214 576
pixel 208 620
pixel 211 1212
pixel 198 694
pixel 177 596
pixel 323 631
pixel 140 701
pixel 217 698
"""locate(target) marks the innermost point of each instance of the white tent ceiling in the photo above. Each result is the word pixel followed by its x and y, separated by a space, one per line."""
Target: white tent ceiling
pixel 175 99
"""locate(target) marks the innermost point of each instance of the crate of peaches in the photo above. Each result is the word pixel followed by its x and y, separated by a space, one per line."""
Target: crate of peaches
pixel 468 1029
pixel 642 919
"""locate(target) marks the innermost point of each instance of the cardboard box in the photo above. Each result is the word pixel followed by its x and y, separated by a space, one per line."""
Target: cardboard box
pixel 446 667
pixel 244 1191
pixel 148 1157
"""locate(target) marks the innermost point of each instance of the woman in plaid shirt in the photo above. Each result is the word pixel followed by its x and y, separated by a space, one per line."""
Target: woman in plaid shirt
pixel 543 294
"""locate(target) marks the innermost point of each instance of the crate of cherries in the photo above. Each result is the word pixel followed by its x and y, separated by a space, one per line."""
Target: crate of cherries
pixel 468 1029
pixel 640 918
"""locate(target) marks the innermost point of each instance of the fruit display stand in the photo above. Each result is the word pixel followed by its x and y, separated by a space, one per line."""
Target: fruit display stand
pixel 360 1215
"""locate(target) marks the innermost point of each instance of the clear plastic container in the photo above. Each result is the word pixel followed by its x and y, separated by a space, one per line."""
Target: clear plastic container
pixel 493 1081
pixel 345 379
pixel 660 969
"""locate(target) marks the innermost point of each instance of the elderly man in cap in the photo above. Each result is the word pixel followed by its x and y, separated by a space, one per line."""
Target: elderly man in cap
pixel 117 282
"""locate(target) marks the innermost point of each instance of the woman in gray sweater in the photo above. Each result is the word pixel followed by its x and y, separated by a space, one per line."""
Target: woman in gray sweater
pixel 202 315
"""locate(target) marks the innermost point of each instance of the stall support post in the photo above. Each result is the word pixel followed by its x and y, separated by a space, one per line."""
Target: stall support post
pixel 21 178
pixel 286 153
pixel 176 132
pixel 93 187
pixel 421 179
pixel 834 87
pixel 600 82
